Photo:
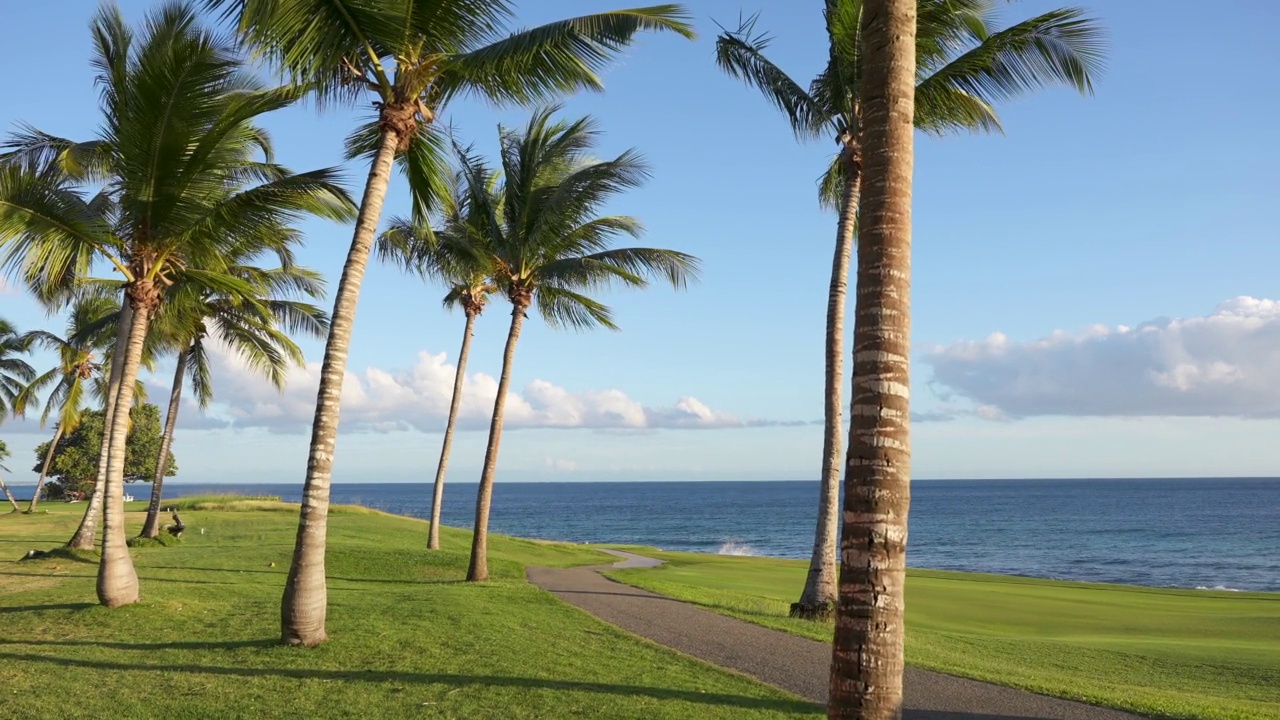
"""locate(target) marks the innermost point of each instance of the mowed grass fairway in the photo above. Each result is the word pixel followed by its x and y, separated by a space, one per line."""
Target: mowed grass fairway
pixel 407 638
pixel 1176 653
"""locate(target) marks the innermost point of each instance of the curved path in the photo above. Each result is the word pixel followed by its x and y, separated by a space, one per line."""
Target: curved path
pixel 795 664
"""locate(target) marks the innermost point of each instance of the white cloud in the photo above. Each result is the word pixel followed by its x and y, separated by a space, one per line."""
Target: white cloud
pixel 378 400
pixel 1223 364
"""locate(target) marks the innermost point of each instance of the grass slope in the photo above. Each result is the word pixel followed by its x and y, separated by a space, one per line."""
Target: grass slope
pixel 407 639
pixel 1176 653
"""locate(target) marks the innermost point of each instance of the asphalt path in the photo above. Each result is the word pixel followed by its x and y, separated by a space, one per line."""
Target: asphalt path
pixel 795 664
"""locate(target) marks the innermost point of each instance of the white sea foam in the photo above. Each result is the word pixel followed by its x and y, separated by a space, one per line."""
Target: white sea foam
pixel 1220 588
pixel 735 547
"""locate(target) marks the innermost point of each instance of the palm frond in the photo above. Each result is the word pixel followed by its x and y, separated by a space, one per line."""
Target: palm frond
pixel 541 63
pixel 740 53
pixel 561 307
pixel 1062 46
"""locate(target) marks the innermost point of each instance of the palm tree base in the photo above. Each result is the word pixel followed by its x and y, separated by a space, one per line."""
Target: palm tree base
pixel 123 590
pixel 818 612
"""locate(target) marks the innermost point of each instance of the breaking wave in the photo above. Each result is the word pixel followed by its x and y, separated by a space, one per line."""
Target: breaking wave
pixel 734 547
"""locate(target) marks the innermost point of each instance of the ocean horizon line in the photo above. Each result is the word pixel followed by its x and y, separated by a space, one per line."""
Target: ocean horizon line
pixel 427 481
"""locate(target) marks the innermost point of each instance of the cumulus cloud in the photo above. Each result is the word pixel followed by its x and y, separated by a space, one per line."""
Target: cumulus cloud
pixel 1225 364
pixel 417 398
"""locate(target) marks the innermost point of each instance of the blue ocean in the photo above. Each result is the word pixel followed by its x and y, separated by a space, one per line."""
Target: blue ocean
pixel 1192 533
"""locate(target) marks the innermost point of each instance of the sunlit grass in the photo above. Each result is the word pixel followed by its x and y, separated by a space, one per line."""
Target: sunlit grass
pixel 407 638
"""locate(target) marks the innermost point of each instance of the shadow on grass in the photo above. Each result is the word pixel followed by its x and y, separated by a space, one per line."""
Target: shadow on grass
pixel 36 608
pixel 452 680
pixel 186 645
pixel 283 571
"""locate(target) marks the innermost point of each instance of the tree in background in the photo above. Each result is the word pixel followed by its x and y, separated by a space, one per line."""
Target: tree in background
pixel 4 454
pixel 15 372
pixel 549 248
pixel 413 58
pixel 964 67
pixel 80 360
pixel 75 460
pixel 253 325
pixel 454 254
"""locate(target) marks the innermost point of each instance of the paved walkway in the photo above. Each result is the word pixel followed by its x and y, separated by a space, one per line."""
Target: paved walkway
pixel 793 663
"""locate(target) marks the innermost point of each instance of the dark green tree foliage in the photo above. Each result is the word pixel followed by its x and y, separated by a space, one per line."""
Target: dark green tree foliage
pixel 75 463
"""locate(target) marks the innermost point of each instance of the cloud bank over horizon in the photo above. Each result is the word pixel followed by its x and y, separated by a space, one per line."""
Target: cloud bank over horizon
pixel 417 398
pixel 1225 364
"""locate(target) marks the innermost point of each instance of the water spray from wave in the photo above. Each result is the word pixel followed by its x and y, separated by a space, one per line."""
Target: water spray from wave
pixel 735 547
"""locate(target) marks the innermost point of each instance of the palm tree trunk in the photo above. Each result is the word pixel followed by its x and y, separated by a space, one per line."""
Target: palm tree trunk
pixel 9 495
pixel 44 469
pixel 867 662
pixel 437 494
pixel 305 602
pixel 151 528
pixel 478 570
pixel 84 537
pixel 117 580
pixel 818 599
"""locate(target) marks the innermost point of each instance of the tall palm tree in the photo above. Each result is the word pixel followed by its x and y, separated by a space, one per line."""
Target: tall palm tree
pixel 253 326
pixel 866 660
pixel 413 57
pixel 549 248
pixel 964 67
pixel 80 361
pixel 454 254
pixel 185 174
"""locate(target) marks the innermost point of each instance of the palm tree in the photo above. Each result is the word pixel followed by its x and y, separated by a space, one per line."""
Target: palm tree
pixel 15 372
pixel 866 660
pixel 4 454
pixel 963 68
pixel 413 57
pixel 454 254
pixel 184 175
pixel 248 325
pixel 548 248
pixel 80 359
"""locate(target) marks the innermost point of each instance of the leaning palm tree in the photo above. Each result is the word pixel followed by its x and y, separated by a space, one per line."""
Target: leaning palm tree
pixel 867 660
pixel 80 361
pixel 964 67
pixel 454 254
pixel 413 58
pixel 549 248
pixel 184 174
pixel 255 327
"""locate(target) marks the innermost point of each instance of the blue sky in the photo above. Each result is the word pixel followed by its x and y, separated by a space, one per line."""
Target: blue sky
pixel 1122 246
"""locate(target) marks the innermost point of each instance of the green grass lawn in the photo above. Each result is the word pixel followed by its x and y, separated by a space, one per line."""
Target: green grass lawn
pixel 1176 653
pixel 407 638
